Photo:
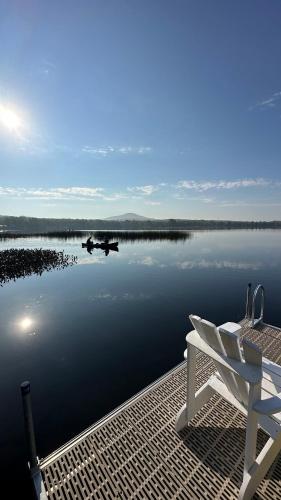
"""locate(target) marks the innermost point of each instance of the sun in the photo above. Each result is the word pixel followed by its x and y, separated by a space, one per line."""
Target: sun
pixel 10 119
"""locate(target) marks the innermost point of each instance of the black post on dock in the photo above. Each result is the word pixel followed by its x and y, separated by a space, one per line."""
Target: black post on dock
pixel 28 425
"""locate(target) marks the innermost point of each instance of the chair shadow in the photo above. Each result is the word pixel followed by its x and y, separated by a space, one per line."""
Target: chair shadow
pixel 221 451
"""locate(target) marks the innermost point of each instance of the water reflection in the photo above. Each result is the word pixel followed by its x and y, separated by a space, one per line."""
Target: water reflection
pixel 121 319
pixel 126 296
pixel 25 323
pixel 139 235
pixel 215 264
pixel 21 262
pixel 133 236
pixel 148 260
pixel 62 235
pixel 26 326
pixel 105 247
pixel 94 259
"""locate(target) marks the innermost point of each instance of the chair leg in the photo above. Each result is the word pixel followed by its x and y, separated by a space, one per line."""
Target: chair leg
pixel 251 440
pixel 252 427
pixel 186 413
pixel 256 473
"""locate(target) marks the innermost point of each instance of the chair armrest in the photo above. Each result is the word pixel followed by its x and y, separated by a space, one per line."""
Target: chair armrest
pixel 268 406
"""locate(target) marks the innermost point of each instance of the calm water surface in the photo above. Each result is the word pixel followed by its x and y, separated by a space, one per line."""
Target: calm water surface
pixel 92 335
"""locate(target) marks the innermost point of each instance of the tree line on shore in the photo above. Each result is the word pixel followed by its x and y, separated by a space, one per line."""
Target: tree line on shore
pixel 34 224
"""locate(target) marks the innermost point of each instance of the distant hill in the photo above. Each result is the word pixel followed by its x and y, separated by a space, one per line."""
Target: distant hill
pixel 128 216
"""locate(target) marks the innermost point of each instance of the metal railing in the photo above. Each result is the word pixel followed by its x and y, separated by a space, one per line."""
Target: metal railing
pixel 251 304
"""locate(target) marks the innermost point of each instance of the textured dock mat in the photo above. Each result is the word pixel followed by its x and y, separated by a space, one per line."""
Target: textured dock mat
pixel 135 453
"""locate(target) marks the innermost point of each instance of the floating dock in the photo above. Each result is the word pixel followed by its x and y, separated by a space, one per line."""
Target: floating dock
pixel 135 452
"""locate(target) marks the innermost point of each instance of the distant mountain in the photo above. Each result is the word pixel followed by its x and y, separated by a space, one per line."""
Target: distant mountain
pixel 128 216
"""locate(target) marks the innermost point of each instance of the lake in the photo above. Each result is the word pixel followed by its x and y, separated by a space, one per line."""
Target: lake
pixel 90 336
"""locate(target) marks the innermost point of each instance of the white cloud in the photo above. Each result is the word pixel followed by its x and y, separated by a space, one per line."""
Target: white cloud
pixel 81 191
pixel 105 151
pixel 207 200
pixel 124 150
pixel 222 184
pixel 114 197
pixel 270 102
pixel 144 190
pixel 58 193
pixel 201 199
pixel 241 203
pixel 188 190
pixel 144 149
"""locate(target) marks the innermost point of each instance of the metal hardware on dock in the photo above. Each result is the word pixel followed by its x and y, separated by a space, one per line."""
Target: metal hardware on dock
pixel 251 304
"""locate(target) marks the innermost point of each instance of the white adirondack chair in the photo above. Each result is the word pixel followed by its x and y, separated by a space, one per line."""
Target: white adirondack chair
pixel 244 378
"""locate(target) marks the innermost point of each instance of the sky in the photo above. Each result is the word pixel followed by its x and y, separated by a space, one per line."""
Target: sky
pixel 166 108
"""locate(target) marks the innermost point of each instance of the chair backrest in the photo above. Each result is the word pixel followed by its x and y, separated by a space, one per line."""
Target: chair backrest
pixel 227 344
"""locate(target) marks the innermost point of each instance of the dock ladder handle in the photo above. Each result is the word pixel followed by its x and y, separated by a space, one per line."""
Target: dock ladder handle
pixel 248 302
pixel 259 288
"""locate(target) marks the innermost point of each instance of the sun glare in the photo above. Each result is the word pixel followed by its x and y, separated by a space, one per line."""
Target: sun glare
pixel 9 119
pixel 25 323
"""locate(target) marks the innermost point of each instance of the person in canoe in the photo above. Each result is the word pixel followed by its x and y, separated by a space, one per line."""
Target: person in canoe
pixel 89 244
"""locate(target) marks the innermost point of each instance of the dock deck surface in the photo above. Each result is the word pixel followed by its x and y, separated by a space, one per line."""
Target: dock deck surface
pixel 135 453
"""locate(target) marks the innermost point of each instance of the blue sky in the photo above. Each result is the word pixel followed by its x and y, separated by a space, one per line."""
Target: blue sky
pixel 164 108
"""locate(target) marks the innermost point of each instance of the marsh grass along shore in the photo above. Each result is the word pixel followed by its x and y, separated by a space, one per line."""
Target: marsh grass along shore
pixel 20 262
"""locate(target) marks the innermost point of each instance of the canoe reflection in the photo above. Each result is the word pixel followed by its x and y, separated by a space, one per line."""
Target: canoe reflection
pixel 105 246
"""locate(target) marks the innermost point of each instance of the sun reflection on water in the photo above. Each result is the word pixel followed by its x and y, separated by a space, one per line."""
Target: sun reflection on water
pixel 26 326
pixel 25 323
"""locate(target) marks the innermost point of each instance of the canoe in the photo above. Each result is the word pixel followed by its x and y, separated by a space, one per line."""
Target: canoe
pixel 103 246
